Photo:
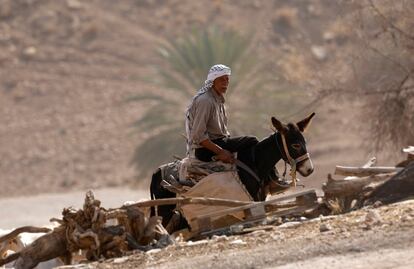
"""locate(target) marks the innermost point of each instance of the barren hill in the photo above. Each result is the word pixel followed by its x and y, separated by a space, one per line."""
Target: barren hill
pixel 67 67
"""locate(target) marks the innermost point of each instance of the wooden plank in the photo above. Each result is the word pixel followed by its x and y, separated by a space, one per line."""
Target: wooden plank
pixel 255 212
pixel 352 186
pixel 188 200
pixel 203 224
pixel 409 150
pixel 241 208
pixel 282 213
pixel 309 198
pixel 364 171
pixel 370 163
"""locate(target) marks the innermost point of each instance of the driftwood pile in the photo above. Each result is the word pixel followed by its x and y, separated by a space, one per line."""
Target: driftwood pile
pixel 89 230
pixel 370 184
pixel 107 233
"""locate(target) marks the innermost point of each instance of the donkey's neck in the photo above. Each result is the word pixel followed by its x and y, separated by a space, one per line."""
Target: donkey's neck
pixel 267 154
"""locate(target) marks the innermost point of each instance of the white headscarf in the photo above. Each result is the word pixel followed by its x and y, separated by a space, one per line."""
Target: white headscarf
pixel 215 71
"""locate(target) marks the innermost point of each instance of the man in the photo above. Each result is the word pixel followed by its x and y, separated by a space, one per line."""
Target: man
pixel 206 121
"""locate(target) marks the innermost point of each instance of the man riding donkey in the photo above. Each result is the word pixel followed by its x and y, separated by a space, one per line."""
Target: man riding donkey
pixel 208 137
pixel 208 140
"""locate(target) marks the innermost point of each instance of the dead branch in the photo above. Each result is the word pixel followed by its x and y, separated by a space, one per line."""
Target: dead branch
pixel 86 229
pixel 9 259
pixel 189 200
pixel 353 186
pixel 46 247
pixel 364 171
pixel 25 229
pixel 398 188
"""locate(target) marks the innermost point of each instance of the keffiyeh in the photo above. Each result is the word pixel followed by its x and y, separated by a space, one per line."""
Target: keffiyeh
pixel 218 70
pixel 215 71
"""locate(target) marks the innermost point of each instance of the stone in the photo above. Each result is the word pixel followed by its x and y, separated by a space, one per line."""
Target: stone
pixel 372 218
pixel 124 259
pixel 220 238
pixel 319 52
pixel 29 52
pixel 290 224
pixel 152 251
pixel 328 36
pixel 238 242
pixel 73 4
pixel 324 227
pixel 377 204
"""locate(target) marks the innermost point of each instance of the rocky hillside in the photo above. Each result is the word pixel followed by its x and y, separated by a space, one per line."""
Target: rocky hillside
pixel 67 68
pixel 367 238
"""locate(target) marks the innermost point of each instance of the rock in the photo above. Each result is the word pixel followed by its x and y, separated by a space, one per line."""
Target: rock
pixel 377 204
pixel 221 246
pixel 313 10
pixel 406 218
pixel 324 227
pixel 328 36
pixel 220 238
pixel 319 52
pixel 271 220
pixel 76 266
pixel 238 242
pixel 196 243
pixel 124 259
pixel 372 218
pixel 291 224
pixel 29 52
pixel 236 228
pixel 152 251
pixel 74 4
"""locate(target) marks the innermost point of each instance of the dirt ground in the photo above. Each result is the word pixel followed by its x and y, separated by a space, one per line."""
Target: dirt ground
pixel 380 237
pixel 37 210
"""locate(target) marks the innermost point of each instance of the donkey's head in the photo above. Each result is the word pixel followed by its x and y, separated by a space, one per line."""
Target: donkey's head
pixel 292 144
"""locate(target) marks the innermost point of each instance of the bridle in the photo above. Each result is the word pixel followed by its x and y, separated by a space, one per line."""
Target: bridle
pixel 289 158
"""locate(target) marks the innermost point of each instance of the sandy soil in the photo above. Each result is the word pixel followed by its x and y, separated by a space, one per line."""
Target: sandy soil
pixel 369 238
pixel 38 209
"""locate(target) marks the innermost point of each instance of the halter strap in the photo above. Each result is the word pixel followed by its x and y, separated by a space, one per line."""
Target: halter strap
pixel 291 161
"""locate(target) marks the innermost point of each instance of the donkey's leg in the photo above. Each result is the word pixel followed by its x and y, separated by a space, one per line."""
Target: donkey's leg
pixel 158 192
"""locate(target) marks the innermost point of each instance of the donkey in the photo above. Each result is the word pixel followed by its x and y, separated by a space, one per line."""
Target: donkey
pixel 286 143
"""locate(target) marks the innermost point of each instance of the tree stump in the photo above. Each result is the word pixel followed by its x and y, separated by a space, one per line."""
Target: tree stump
pixel 399 187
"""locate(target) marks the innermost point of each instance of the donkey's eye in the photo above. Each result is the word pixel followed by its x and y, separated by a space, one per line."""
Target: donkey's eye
pixel 296 146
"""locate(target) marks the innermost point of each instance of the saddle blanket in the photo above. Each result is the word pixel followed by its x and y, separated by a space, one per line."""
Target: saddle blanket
pixel 193 170
pixel 224 185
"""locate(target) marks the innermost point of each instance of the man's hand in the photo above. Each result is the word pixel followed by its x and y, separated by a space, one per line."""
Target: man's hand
pixel 225 156
pixel 221 154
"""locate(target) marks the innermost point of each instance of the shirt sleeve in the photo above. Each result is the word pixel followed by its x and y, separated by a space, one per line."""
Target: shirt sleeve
pixel 202 113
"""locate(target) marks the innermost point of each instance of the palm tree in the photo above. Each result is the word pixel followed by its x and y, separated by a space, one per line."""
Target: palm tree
pixel 189 59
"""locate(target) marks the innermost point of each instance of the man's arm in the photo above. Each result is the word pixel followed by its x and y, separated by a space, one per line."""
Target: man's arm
pixel 199 131
pixel 221 154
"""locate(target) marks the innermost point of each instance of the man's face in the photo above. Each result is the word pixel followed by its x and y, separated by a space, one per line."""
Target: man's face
pixel 221 84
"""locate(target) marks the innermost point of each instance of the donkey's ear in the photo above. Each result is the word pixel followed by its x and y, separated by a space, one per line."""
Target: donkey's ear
pixel 303 124
pixel 280 127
